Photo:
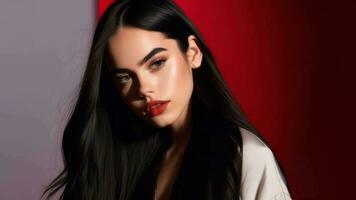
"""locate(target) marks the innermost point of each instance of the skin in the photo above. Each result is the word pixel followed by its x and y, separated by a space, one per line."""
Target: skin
pixel 165 76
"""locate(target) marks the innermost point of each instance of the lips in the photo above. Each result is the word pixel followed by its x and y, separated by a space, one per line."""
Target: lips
pixel 156 107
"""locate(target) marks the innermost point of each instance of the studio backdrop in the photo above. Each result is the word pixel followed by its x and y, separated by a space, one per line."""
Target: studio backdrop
pixel 273 55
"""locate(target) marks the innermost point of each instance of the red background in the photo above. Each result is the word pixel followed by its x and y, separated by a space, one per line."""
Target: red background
pixel 287 64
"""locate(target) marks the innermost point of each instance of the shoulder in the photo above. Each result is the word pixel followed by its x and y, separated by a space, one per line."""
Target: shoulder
pixel 261 175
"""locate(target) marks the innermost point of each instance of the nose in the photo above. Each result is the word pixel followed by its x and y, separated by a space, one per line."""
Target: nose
pixel 145 87
pixel 143 96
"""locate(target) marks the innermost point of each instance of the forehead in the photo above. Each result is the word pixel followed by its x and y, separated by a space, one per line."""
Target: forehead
pixel 129 45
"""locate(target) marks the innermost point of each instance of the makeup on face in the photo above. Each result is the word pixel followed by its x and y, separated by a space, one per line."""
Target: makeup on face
pixel 156 107
pixel 123 74
pixel 151 74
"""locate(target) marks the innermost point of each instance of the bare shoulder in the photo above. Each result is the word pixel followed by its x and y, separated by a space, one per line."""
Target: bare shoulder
pixel 261 175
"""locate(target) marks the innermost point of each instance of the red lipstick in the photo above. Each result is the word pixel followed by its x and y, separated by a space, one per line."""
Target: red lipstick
pixel 156 107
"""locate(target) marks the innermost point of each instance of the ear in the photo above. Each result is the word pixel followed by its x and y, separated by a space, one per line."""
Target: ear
pixel 194 55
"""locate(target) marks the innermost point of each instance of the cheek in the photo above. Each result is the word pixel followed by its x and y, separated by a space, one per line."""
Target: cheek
pixel 125 97
pixel 177 82
pixel 123 91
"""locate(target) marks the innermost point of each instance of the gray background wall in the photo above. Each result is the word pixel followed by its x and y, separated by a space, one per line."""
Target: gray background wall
pixel 43 50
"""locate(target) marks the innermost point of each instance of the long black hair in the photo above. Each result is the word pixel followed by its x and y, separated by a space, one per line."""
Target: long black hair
pixel 110 153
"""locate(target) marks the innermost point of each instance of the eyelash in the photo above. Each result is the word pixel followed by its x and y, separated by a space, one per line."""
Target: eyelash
pixel 160 61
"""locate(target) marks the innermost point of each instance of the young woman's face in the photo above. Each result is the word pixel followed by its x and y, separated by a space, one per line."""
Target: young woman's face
pixel 166 74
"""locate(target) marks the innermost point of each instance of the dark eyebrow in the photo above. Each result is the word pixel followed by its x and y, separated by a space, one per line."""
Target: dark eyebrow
pixel 141 62
pixel 115 70
pixel 151 54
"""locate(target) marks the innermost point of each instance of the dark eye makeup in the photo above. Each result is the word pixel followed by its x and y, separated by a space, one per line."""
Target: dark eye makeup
pixel 157 63
pixel 154 66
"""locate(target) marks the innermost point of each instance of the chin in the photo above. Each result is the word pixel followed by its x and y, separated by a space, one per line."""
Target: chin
pixel 161 121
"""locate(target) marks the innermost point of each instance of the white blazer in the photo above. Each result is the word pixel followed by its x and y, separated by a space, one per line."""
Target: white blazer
pixel 261 175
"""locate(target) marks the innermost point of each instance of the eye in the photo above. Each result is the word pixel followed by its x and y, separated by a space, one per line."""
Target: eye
pixel 123 78
pixel 157 64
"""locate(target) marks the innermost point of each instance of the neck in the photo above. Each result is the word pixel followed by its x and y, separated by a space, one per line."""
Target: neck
pixel 181 131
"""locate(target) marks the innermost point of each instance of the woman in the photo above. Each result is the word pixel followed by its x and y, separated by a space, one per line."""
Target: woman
pixel 155 120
